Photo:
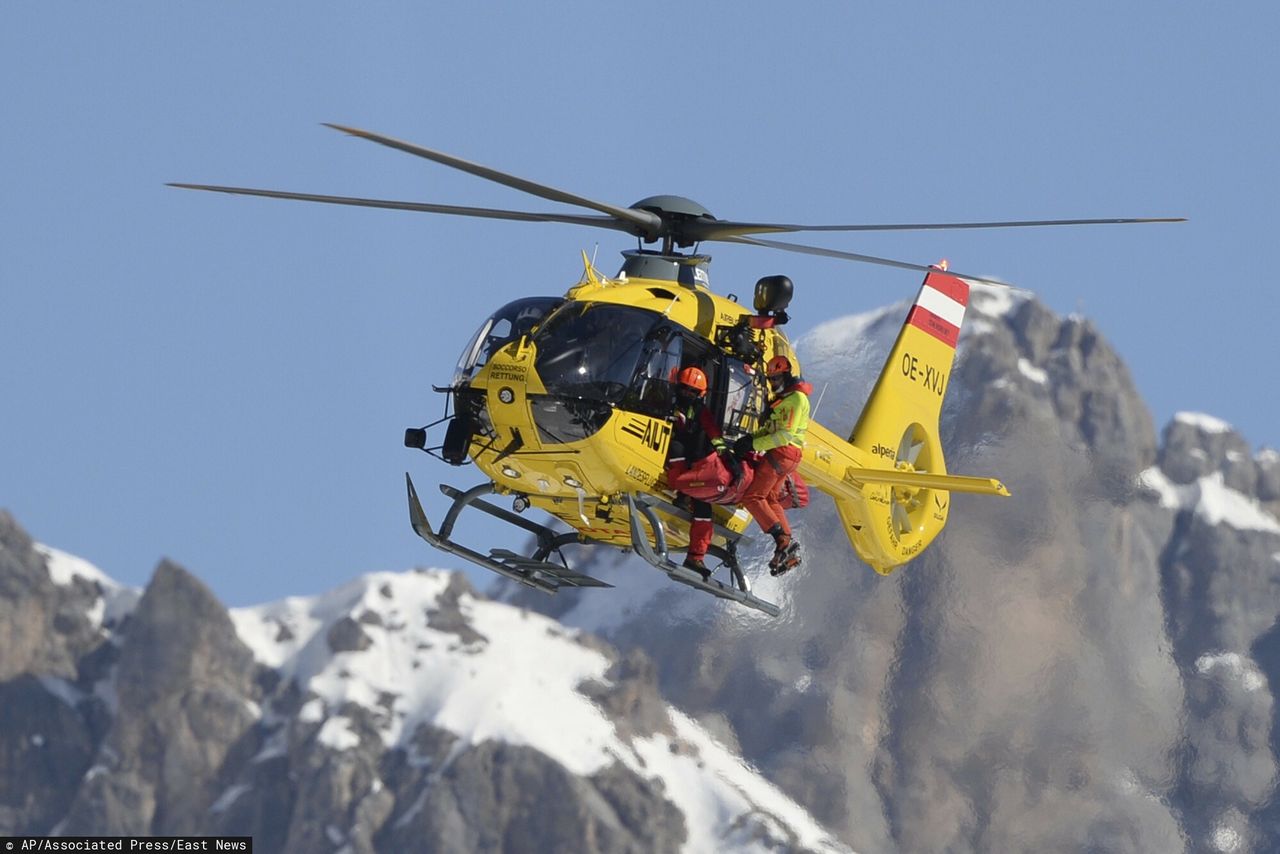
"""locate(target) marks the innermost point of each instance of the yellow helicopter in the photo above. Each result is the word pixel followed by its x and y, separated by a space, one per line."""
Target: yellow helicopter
pixel 565 403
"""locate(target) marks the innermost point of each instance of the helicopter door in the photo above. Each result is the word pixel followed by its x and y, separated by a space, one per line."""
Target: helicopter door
pixel 653 389
pixel 667 350
pixel 743 397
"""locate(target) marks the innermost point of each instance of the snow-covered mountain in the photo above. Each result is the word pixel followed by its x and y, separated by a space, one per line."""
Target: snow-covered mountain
pixel 1090 665
pixel 400 712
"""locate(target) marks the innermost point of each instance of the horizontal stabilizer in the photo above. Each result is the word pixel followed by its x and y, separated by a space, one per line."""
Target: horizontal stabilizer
pixel 924 480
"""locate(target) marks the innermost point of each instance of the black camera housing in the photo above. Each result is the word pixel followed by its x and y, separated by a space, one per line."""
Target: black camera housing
pixel 773 294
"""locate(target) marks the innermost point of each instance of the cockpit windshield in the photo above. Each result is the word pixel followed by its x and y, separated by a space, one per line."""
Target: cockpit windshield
pixel 591 350
pixel 502 327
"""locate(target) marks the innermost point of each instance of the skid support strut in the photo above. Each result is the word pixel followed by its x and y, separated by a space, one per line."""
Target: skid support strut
pixel 642 512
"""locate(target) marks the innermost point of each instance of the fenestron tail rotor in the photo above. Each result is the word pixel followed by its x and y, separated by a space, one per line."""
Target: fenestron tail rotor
pixel 912 456
pixel 673 220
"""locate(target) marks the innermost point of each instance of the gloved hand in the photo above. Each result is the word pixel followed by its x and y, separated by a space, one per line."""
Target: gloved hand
pixel 742 446
pixel 732 463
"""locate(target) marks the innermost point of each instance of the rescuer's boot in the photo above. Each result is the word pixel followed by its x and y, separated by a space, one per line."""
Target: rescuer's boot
pixel 781 542
pixel 696 564
pixel 785 559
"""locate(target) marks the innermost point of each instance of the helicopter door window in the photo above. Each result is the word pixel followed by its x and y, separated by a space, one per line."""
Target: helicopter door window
pixel 744 399
pixel 592 350
pixel 653 392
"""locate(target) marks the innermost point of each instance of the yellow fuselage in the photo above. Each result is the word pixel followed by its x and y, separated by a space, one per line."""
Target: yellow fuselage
pixel 888 481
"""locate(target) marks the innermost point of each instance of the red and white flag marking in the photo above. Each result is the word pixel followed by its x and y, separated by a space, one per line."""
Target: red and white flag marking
pixel 939 309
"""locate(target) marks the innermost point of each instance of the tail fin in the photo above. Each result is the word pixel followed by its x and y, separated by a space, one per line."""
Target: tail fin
pixel 889 523
pixel 915 377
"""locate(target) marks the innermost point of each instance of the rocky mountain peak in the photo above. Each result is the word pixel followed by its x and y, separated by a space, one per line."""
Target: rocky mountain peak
pixel 1196 445
pixel 1020 362
pixel 180 635
pixel 184 695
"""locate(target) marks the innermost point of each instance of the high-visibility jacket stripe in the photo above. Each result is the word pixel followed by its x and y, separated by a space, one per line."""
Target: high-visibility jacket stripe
pixel 788 421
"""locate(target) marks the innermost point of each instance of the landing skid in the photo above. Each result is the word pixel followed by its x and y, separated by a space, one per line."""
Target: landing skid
pixel 534 571
pixel 542 574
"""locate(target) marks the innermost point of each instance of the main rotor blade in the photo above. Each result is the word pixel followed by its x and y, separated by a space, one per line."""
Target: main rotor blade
pixel 642 223
pixel 425 207
pixel 869 259
pixel 720 229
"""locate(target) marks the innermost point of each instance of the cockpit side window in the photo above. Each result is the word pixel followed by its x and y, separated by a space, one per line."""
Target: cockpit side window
pixel 505 325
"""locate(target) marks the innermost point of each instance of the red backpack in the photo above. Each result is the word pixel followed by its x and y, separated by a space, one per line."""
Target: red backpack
pixel 709 480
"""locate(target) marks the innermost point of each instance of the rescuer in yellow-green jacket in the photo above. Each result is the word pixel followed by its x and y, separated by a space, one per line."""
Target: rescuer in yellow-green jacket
pixel 780 440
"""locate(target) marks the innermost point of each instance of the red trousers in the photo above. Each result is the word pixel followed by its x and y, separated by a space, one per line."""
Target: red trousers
pixel 700 530
pixel 762 498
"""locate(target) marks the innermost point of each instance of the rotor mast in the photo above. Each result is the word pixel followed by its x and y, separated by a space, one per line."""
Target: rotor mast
pixel 680 217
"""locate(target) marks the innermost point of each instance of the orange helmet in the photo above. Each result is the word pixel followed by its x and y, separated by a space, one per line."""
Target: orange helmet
pixel 693 378
pixel 778 365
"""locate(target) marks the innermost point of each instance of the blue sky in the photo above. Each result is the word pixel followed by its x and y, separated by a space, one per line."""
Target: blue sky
pixel 225 381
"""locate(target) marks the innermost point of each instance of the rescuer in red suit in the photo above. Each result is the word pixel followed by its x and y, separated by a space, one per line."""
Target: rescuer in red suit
pixel 695 436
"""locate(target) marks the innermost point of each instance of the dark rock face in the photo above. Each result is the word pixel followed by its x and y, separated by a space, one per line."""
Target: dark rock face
pixel 347 636
pixel 530 803
pixel 51 658
pixel 1190 452
pixel 45 750
pixel 43 628
pixel 184 684
pixel 632 696
pixel 447 616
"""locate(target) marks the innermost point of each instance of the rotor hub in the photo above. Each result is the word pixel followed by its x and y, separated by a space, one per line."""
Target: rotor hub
pixel 680 218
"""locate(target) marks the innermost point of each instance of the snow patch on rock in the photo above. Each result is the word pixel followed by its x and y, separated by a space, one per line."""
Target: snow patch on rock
pixel 1202 422
pixel 115 600
pixel 1211 500
pixel 994 301
pixel 1031 372
pixel 1238 666
pixel 487 671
